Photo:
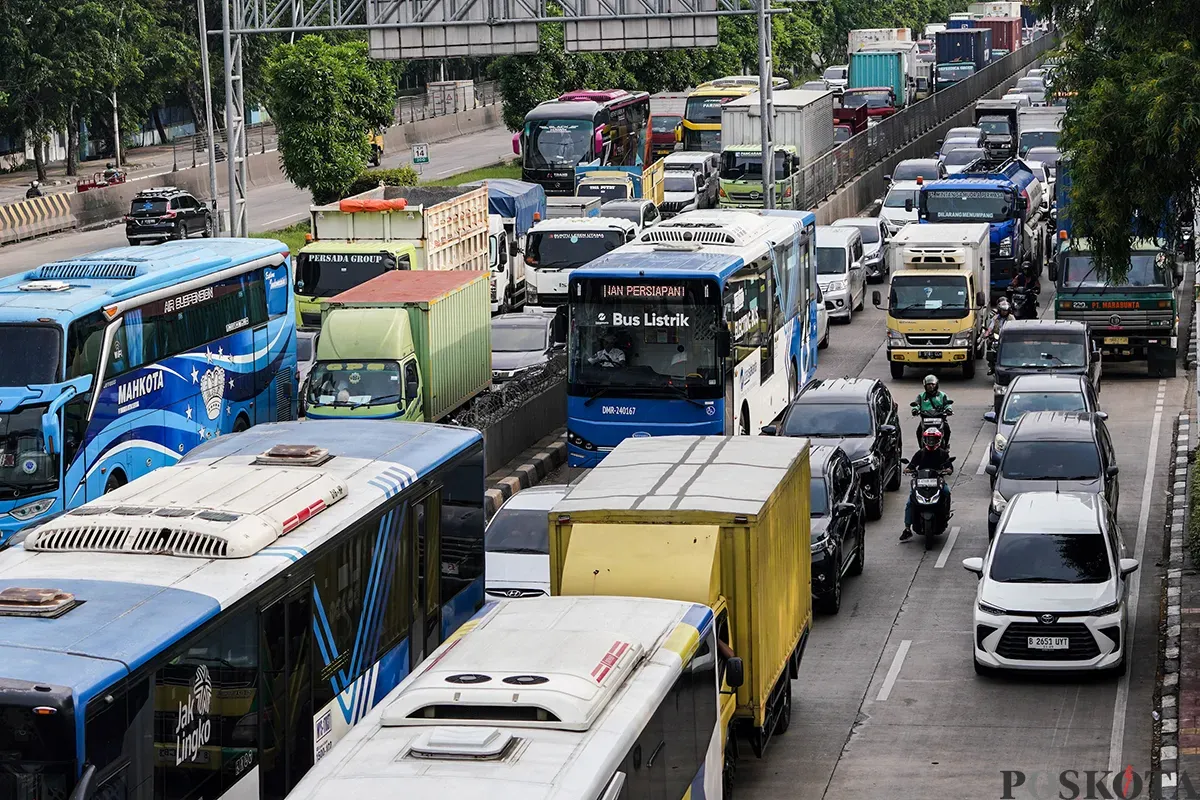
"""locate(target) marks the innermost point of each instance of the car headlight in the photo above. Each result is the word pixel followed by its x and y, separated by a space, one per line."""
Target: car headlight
pixel 878 254
pixel 1104 611
pixel 990 609
pixel 31 510
pixel 1000 443
pixel 895 337
pixel 869 461
pixel 999 502
pixel 835 286
pixel 1006 246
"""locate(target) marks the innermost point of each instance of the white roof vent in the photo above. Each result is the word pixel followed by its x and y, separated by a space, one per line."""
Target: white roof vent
pixel 462 744
pixel 196 511
pixel 44 286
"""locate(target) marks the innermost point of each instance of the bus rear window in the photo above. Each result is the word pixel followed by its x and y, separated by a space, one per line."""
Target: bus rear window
pixel 40 347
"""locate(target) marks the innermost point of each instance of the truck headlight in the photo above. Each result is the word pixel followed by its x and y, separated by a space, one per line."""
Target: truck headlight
pixel 999 443
pixel 1005 247
pixel 31 510
pixel 895 337
pixel 962 339
pixel 999 502
pixel 530 293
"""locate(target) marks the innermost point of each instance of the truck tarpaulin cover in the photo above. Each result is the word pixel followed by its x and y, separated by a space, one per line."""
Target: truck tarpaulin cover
pixel 351 205
pixel 513 199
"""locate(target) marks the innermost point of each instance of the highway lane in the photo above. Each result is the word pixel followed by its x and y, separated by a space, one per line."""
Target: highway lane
pixel 269 207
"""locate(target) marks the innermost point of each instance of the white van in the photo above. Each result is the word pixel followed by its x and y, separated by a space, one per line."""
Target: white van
pixel 840 271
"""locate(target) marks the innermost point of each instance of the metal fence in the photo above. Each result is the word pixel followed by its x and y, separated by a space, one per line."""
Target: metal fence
pixel 859 153
pixel 428 105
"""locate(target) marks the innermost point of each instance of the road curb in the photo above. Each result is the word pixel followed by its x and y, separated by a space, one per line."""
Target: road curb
pixel 527 469
pixel 1165 749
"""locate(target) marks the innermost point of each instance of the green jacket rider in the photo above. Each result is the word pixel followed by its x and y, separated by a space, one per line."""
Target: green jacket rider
pixel 932 402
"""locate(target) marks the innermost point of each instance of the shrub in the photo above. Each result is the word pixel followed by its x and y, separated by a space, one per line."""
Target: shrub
pixel 404 176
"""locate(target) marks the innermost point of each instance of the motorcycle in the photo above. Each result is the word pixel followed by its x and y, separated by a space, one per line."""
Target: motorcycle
pixel 934 420
pixel 1024 303
pixel 931 514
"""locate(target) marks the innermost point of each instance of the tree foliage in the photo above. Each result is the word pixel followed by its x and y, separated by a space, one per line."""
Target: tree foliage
pixel 324 100
pixel 1132 128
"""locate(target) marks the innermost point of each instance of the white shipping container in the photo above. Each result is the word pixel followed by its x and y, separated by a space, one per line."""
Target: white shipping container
pixel 1042 118
pixel 863 36
pixel 803 119
pixel 668 103
pixel 995 8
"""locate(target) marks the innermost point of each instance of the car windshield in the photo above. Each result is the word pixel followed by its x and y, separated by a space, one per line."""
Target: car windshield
pixel 41 353
pixel 508 338
pixel 570 249
pixel 950 145
pixel 831 261
pixel 679 183
pixel 1018 403
pixel 962 156
pixel 1051 461
pixel 841 133
pixel 869 230
pixel 828 420
pixel 929 297
pixel 1146 269
pixel 966 205
pixel 995 126
pixel 518 530
pixel 304 348
pixel 354 384
pixel 897 197
pixel 557 143
pixel 818 499
pixel 329 274
pixel 622 211
pixel 911 170
pixel 1030 139
pixel 664 123
pixel 835 74
pixel 1041 349
pixel 1050 558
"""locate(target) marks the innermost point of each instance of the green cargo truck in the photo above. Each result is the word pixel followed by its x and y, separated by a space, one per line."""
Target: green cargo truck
pixel 414 346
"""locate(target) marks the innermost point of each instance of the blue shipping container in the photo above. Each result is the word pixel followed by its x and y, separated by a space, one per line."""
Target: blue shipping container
pixel 972 45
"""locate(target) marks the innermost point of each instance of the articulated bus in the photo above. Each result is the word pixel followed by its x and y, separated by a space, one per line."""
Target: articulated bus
pixel 701 126
pixel 558 698
pixel 212 629
pixel 706 324
pixel 124 360
pixel 582 127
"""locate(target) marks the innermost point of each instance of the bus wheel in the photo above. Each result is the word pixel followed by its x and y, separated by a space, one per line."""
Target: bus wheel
pixel 115 481
pixel 242 424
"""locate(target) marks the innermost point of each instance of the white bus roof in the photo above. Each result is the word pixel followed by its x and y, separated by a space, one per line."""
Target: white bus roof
pixel 716 228
pixel 534 699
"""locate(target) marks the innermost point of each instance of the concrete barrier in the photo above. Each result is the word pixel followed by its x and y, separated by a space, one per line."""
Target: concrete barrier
pixel 35 217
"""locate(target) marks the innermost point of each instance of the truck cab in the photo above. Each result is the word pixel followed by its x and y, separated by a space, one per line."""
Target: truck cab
pixel 620 183
pixel 880 101
pixel 742 176
pixel 998 119
pixel 937 301
pixel 557 247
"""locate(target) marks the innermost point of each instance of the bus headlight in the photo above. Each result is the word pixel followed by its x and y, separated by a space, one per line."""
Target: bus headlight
pixel 1005 247
pixel 31 510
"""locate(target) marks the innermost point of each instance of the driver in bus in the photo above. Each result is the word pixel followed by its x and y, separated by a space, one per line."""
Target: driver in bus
pixel 609 355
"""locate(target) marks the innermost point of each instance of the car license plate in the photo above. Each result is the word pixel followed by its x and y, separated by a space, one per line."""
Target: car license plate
pixel 1048 643
pixel 929 354
pixel 1116 340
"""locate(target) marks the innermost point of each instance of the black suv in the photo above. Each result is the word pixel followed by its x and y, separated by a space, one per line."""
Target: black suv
pixel 166 213
pixel 839 530
pixel 859 416
pixel 1044 345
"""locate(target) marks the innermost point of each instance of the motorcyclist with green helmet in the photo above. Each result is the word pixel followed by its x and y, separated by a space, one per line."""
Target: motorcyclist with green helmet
pixel 934 403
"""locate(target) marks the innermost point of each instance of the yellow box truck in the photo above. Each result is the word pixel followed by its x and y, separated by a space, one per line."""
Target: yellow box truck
pixel 722 521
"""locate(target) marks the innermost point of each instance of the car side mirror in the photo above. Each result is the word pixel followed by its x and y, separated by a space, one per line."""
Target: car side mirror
pixel 87 784
pixel 908 205
pixel 1112 471
pixel 735 672
pixel 1128 566
pixel 990 417
pixel 888 429
pixel 876 298
pixel 990 469
pixel 887 178
pixel 558 330
pixel 844 508
pixel 769 430
pixel 411 387
pixel 724 342
pixel 514 249
pixel 1102 416
pixel 904 461
pixel 973 565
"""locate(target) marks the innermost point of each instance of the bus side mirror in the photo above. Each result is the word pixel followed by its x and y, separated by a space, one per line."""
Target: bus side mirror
pixel 51 435
pixel 724 342
pixel 908 205
pixel 735 673
pixel 86 786
pixel 516 142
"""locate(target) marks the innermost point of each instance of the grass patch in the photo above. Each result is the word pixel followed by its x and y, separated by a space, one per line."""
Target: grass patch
pixel 1192 537
pixel 292 236
pixel 510 169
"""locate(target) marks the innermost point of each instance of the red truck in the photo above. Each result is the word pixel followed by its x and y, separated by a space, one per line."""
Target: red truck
pixel 666 113
pixel 879 101
pixel 1006 33
pixel 848 122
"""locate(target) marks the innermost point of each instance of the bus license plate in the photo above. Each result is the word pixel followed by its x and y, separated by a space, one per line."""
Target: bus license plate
pixel 1048 643
pixel 1116 340
pixel 929 354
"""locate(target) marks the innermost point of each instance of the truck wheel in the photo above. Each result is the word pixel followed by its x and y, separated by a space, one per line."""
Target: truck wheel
pixel 969 368
pixel 897 369
pixel 785 714
pixel 728 770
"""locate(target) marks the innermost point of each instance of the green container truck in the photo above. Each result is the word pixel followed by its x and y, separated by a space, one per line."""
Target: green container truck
pixel 870 69
pixel 415 346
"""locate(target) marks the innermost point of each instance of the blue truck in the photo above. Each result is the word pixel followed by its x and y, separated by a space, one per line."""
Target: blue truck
pixel 960 54
pixel 1009 199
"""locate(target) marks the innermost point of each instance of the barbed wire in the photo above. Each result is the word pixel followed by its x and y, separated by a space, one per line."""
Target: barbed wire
pixel 511 396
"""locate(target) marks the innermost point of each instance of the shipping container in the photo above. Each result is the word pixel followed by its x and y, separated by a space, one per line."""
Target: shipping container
pixel 1006 32
pixel 869 69
pixel 803 119
pixel 913 66
pixel 448 225
pixel 995 8
pixel 722 521
pixel 439 322
pixel 970 45
pixel 862 36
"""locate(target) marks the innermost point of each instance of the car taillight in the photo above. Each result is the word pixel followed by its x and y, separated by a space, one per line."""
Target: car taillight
pixel 169 215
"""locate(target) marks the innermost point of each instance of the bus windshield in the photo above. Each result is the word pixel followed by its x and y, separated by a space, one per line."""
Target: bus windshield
pixel 955 72
pixel 570 249
pixel 557 143
pixel 645 338
pixel 706 110
pixel 1146 271
pixel 740 166
pixel 929 297
pixel 25 468
pixel 966 205
pixel 40 347
pixel 329 274
pixel 39 754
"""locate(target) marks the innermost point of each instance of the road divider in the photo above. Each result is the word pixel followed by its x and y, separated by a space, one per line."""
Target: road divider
pixel 36 216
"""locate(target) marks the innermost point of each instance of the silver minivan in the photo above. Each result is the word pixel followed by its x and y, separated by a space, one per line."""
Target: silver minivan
pixel 706 165
pixel 841 275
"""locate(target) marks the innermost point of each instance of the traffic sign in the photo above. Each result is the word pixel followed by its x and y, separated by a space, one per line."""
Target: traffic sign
pixel 420 154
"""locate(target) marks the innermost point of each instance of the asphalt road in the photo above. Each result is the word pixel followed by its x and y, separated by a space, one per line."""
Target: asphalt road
pixel 887 703
pixel 268 207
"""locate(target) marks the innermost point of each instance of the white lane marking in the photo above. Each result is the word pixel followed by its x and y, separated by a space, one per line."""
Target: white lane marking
pixel 1117 739
pixel 983 462
pixel 947 546
pixel 267 225
pixel 893 672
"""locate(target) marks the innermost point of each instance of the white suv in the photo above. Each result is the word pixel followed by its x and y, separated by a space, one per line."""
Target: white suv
pixel 1053 587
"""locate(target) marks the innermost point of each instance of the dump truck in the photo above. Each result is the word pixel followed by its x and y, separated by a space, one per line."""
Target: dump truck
pixel 513 209
pixel 412 346
pixel 620 183
pixel 714 520
pixel 389 228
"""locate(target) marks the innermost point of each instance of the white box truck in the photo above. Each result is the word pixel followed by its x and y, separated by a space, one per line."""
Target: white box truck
pixel 555 248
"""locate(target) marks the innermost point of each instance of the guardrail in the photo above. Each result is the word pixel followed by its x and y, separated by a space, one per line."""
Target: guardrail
pixel 830 172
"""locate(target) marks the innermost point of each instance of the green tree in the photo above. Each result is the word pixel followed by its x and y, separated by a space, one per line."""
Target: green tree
pixel 1132 128
pixel 324 99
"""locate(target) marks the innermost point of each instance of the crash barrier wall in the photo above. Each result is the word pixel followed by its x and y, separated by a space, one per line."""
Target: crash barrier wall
pixel 829 175
pixel 35 217
pixel 509 436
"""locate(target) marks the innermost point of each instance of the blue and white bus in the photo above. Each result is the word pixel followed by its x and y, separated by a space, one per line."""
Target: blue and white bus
pixel 706 324
pixel 121 361
pixel 212 629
